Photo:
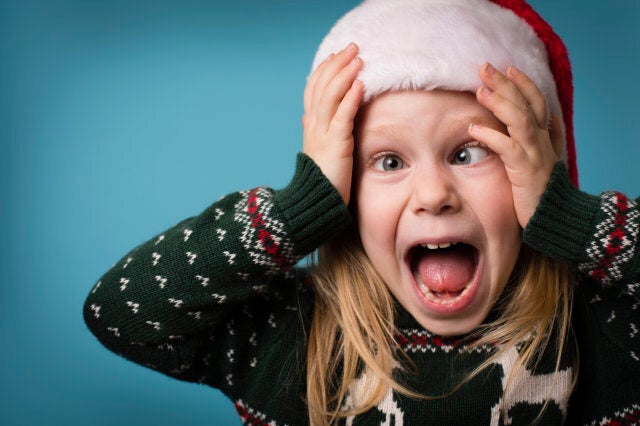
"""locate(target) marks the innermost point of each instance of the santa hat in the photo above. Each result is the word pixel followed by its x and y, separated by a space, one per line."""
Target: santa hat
pixel 429 44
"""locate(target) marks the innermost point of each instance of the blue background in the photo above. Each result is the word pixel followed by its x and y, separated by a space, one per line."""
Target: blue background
pixel 119 118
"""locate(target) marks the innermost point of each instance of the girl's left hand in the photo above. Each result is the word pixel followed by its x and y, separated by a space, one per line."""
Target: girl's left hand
pixel 528 150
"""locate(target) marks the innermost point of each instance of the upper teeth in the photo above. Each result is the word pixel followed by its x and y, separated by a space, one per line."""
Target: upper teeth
pixel 437 245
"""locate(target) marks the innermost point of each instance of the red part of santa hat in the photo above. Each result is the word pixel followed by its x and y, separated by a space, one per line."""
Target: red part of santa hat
pixel 558 58
pixel 430 44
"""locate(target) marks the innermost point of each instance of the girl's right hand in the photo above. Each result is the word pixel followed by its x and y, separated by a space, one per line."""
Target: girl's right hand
pixel 331 101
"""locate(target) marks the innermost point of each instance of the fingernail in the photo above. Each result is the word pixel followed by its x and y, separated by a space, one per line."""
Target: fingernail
pixel 351 47
pixel 483 91
pixel 355 62
pixel 471 128
pixel 489 69
pixel 513 71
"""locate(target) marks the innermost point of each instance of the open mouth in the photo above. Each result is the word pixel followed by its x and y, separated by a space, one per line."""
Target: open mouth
pixel 444 272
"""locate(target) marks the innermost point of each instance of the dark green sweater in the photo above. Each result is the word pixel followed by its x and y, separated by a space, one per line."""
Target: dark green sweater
pixel 217 300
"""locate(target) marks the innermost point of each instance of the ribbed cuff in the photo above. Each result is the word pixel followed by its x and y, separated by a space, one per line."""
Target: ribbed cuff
pixel 312 207
pixel 564 219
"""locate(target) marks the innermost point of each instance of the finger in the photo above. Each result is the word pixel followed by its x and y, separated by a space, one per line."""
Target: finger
pixel 346 113
pixel 311 82
pixel 336 90
pixel 531 93
pixel 509 150
pixel 333 67
pixel 310 92
pixel 498 83
pixel 520 124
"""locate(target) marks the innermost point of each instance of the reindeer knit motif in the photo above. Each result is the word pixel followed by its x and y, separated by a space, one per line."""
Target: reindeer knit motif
pixel 218 300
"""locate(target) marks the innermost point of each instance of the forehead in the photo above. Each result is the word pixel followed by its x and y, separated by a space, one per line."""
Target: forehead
pixel 412 110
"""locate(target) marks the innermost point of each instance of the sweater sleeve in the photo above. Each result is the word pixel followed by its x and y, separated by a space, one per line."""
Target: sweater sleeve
pixel 167 300
pixel 598 234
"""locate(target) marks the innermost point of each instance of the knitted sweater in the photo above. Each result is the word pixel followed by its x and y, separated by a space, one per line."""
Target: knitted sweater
pixel 217 300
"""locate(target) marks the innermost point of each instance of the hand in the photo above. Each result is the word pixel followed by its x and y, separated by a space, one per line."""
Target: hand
pixel 331 101
pixel 528 150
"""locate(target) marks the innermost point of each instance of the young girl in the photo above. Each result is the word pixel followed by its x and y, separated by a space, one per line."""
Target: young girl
pixel 461 277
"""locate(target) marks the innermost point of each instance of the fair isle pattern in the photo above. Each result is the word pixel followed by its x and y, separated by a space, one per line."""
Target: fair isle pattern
pixel 252 417
pixel 263 237
pixel 627 416
pixel 615 240
pixel 214 300
pixel 414 340
pixel 632 289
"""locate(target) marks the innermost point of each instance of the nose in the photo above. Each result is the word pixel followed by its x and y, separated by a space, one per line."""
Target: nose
pixel 434 192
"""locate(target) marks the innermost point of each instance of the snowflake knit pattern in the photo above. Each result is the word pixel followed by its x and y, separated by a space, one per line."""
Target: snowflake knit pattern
pixel 217 299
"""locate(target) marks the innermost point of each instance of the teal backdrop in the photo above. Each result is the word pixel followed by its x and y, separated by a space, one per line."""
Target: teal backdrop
pixel 119 118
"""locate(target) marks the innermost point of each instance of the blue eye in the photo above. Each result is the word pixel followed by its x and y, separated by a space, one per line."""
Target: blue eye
pixel 389 163
pixel 470 155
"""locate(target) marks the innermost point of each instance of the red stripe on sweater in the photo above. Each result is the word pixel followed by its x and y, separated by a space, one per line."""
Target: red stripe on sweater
pixel 247 417
pixel 265 237
pixel 613 245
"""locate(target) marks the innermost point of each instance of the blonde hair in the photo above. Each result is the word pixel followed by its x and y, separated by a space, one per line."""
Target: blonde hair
pixel 353 329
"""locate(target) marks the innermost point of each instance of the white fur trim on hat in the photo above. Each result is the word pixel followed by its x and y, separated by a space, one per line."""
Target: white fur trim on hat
pixel 431 44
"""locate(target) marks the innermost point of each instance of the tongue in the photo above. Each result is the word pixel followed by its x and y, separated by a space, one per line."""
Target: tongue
pixel 446 270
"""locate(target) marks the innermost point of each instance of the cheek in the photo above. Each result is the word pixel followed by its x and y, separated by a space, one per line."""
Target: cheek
pixel 490 197
pixel 377 216
pixel 501 208
pixel 496 212
pixel 370 211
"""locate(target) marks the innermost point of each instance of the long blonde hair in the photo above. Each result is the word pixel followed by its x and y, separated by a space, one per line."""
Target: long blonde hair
pixel 353 328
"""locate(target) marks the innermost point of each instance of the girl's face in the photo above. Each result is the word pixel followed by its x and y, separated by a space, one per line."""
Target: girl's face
pixel 434 208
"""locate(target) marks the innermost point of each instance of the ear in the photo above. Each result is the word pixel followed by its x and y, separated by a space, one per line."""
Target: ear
pixel 556 136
